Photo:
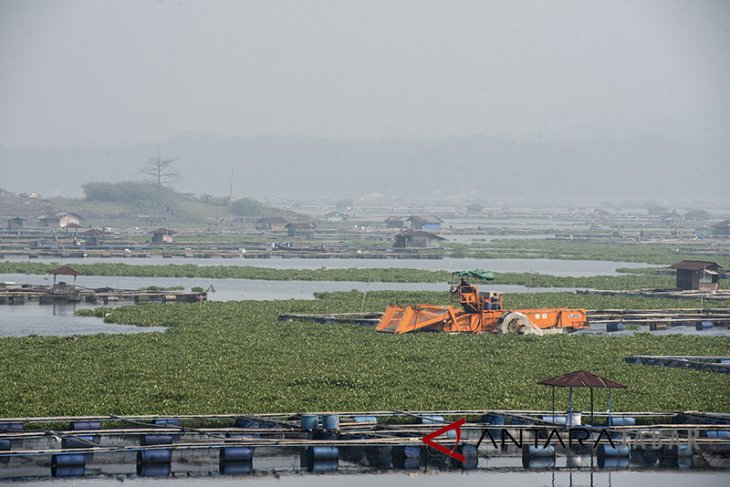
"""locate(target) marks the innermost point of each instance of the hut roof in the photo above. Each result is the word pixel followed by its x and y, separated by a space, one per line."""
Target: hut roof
pixel 65 271
pixel 273 219
pixel 420 233
pixel 695 265
pixel 581 378
pixel 424 219
pixel 304 225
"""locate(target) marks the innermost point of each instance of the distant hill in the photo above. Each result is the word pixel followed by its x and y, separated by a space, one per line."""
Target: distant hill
pixel 130 202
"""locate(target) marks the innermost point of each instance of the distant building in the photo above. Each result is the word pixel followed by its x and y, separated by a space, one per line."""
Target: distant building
pixel 271 223
pixel 344 205
pixel 16 224
pixel 93 236
pixel 474 208
pixel 698 275
pixel 429 223
pixel 697 215
pixel 672 219
pixel 62 219
pixel 722 228
pixel 162 235
pixel 395 222
pixel 334 216
pixel 303 229
pixel 417 239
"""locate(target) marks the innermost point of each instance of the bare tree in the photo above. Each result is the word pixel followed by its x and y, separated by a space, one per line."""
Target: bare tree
pixel 161 169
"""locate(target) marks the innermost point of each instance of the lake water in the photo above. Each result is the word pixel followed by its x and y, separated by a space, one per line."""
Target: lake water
pixel 543 266
pixel 256 289
pixel 578 478
pixel 58 320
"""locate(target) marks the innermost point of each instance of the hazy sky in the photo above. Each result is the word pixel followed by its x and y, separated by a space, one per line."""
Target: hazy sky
pixel 117 72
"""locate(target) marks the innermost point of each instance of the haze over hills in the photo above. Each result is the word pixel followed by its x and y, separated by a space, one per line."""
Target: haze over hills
pixel 674 170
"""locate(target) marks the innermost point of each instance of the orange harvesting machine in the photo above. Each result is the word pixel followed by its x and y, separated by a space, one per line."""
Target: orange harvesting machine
pixel 479 312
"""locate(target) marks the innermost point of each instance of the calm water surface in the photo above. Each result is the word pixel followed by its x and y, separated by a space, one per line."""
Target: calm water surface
pixel 543 266
pixel 428 479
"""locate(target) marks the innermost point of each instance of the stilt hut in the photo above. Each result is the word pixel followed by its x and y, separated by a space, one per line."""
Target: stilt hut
pixel 583 379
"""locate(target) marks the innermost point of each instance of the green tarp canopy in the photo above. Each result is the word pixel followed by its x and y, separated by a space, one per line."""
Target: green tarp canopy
pixel 477 274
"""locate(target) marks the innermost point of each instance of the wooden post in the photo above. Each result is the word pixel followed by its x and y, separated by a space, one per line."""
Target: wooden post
pixel 553 405
pixel 570 414
pixel 591 406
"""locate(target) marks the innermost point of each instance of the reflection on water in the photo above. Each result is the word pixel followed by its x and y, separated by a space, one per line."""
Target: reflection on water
pixel 547 478
pixel 58 320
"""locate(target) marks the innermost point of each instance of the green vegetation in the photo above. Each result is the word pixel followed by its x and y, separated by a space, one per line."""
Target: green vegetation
pixel 585 250
pixel 158 288
pixel 237 357
pixel 530 279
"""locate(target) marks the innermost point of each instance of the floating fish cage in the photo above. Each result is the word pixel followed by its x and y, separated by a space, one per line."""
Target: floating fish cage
pixel 357 442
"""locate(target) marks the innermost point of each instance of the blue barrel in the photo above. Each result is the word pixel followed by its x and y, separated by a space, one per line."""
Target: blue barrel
pixel 614 463
pixel 236 454
pixel 148 440
pixel 606 451
pixel 154 469
pixel 714 434
pixel 5 445
pixel 9 426
pixel 79 441
pixel 644 457
pixel 310 422
pixel 330 422
pixel 85 425
pixel 704 325
pixel 672 451
pixel 611 327
pixel 68 471
pixel 67 459
pixel 322 452
pixel 366 419
pixel 406 463
pixel 471 457
pixel 236 468
pixel 323 466
pixel 684 451
pixel 538 462
pixel 573 461
pixel 154 456
pixel 407 451
pixel 379 456
pixel 621 421
pixel 531 451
